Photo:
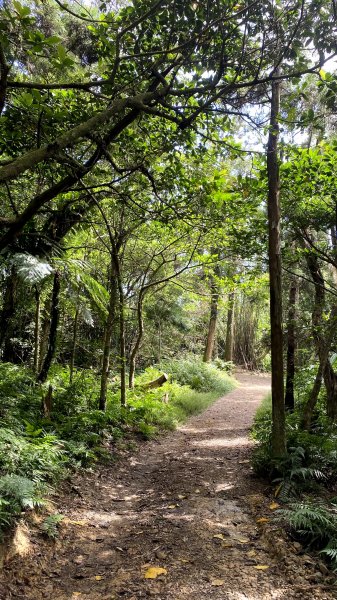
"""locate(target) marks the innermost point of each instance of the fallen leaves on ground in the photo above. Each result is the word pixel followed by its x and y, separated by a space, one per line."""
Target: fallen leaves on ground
pixel 262 520
pixel 274 506
pixel 261 567
pixel 154 572
pixel 217 582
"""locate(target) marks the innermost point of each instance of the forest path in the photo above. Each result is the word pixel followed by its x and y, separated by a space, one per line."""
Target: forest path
pixel 187 503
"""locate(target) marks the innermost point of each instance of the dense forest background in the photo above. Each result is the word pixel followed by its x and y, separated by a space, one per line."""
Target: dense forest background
pixel 168 206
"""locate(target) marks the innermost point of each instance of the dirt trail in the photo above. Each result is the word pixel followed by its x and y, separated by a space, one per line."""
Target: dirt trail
pixel 162 507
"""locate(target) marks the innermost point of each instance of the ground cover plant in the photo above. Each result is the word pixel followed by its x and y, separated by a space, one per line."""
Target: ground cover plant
pixel 304 481
pixel 37 451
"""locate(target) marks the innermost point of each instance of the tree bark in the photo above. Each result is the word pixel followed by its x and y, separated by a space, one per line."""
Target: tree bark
pixel 230 328
pixel 8 309
pixel 291 344
pixel 37 330
pixel 54 319
pixel 323 340
pixel 73 347
pixel 108 336
pixel 212 326
pixel 312 400
pixel 122 339
pixel 156 383
pixel 278 439
pixel 135 349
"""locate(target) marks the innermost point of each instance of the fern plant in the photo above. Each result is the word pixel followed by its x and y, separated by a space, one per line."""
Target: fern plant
pixel 316 526
pixel 17 494
pixel 50 525
pixel 294 473
pixel 21 491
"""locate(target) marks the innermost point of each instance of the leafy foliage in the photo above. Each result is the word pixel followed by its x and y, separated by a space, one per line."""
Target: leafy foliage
pixel 315 524
pixel 200 376
pixel 50 525
pixel 36 453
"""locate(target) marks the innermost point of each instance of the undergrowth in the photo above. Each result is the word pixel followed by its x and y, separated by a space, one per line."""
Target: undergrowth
pixel 304 481
pixel 37 452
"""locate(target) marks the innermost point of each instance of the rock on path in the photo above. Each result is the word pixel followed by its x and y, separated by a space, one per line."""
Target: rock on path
pixel 188 505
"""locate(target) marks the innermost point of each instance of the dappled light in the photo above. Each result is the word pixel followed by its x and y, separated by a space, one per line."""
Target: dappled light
pixel 168 285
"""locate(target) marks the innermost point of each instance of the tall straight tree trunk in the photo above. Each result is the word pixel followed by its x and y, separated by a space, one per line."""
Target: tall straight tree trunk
pixel 135 349
pixel 208 354
pixel 291 344
pixel 278 440
pixel 312 400
pixel 330 381
pixel 8 309
pixel 122 339
pixel 37 330
pixel 73 346
pixel 45 328
pixel 230 328
pixel 109 327
pixel 54 319
pixel 323 339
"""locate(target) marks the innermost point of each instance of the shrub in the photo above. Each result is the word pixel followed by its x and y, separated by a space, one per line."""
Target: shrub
pixel 200 376
pixel 36 452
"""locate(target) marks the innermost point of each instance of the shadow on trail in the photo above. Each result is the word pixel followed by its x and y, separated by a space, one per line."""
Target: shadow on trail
pixel 183 504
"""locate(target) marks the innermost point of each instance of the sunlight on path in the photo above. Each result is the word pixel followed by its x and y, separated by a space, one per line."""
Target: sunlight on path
pixel 187 504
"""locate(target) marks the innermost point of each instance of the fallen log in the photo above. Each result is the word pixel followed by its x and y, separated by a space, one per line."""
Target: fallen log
pixel 156 382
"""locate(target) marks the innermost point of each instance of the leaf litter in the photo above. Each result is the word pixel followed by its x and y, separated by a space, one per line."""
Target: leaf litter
pixel 202 545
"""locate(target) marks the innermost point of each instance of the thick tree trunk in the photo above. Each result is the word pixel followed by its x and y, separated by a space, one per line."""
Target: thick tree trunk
pixel 109 327
pixel 37 330
pixel 73 347
pixel 275 282
pixel 291 344
pixel 230 328
pixel 54 319
pixel 135 349
pixel 208 354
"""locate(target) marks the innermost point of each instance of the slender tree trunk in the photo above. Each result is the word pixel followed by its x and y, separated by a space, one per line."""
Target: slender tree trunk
pixel 275 279
pixel 108 336
pixel 135 349
pixel 45 328
pixel 122 340
pixel 330 381
pixel 312 400
pixel 37 330
pixel 54 319
pixel 323 340
pixel 208 354
pixel 291 344
pixel 230 328
pixel 159 341
pixel 7 312
pixel 73 347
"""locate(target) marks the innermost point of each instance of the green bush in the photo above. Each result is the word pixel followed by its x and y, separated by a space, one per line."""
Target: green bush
pixel 36 452
pixel 200 376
